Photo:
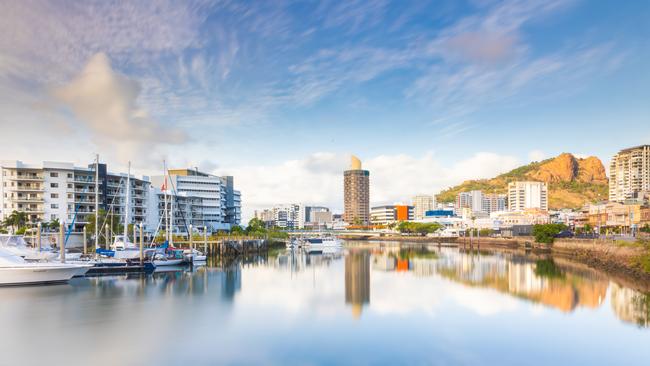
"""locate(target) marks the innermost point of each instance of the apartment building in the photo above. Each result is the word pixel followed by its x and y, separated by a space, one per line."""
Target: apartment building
pixel 494 202
pixel 629 174
pixel 61 191
pixel 472 200
pixel 422 204
pixel 527 195
pixel 213 196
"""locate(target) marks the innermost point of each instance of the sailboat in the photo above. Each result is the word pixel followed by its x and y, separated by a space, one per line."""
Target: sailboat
pixel 123 247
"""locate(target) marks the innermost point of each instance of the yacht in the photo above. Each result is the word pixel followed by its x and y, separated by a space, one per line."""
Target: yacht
pixel 322 244
pixel 193 256
pixel 123 248
pixel 14 270
pixel 16 244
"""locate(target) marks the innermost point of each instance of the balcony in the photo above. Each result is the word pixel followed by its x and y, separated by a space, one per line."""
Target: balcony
pixel 26 188
pixel 27 178
pixel 27 199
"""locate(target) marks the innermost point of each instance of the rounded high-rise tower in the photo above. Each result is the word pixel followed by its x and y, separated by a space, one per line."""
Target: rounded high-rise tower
pixel 356 188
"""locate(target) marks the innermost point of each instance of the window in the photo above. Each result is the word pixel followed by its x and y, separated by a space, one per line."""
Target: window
pixel 54 185
pixel 54 195
pixel 54 175
pixel 54 205
pixel 69 175
pixel 69 186
pixel 52 217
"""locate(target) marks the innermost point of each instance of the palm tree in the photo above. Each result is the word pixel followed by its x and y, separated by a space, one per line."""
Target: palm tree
pixel 15 220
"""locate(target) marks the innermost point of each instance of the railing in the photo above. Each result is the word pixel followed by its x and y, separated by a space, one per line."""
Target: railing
pixel 25 199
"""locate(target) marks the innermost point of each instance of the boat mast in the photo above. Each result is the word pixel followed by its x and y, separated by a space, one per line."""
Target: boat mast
pixel 126 205
pixel 165 216
pixel 171 219
pixel 96 203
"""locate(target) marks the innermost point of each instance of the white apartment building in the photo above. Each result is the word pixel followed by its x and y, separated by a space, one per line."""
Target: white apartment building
pixel 60 191
pixel 472 200
pixel 629 174
pixel 422 204
pixel 527 195
pixel 493 202
pixel 214 197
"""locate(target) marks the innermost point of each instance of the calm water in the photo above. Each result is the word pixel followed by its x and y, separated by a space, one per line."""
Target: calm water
pixel 369 304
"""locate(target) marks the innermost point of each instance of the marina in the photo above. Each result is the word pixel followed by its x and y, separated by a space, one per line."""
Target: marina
pixel 360 304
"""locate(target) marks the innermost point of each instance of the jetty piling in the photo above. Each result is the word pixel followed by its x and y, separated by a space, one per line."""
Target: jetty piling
pixel 62 242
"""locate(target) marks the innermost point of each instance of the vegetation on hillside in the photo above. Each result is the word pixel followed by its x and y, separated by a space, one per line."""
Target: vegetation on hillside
pixel 567 194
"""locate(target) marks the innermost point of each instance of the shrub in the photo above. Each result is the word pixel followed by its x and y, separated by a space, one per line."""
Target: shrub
pixel 546 233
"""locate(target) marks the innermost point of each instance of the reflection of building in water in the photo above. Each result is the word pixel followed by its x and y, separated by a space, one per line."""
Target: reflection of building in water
pixel 548 285
pixel 523 280
pixel 423 267
pixel 631 306
pixel 383 262
pixel 357 280
pixel 230 282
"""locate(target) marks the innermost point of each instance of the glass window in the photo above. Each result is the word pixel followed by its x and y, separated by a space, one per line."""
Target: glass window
pixel 54 185
pixel 54 195
pixel 54 174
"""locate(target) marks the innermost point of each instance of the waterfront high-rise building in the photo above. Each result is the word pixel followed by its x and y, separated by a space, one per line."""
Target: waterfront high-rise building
pixel 422 204
pixel 66 193
pixel 356 188
pixel 629 174
pixel 217 203
pixel 527 195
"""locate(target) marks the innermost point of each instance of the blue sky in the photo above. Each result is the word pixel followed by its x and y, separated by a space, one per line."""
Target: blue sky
pixel 280 92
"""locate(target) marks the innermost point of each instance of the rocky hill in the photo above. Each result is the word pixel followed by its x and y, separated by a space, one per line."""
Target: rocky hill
pixel 572 181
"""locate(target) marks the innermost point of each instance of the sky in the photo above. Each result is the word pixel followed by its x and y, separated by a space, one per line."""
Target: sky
pixel 280 93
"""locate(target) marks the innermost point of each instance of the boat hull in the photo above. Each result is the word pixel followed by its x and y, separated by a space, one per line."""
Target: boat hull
pixel 32 275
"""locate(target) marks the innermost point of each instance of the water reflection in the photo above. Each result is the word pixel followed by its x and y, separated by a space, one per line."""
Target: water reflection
pixel 342 307
pixel 357 280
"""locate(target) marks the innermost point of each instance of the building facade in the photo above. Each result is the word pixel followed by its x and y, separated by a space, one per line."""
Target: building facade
pixel 55 191
pixel 527 195
pixel 472 200
pixel 629 174
pixel 422 204
pixel 493 202
pixel 383 215
pixel 356 194
pixel 218 202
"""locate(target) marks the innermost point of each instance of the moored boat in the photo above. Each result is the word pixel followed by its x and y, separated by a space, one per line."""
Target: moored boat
pixel 14 270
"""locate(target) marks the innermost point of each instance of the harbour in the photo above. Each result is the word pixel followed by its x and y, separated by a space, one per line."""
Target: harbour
pixel 399 302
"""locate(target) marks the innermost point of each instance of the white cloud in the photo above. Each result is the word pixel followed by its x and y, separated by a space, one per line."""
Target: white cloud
pixel 536 155
pixel 318 178
pixel 105 103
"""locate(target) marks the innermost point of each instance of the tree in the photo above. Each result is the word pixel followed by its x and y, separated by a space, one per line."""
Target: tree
pixel 54 224
pixel 546 233
pixel 256 227
pixel 646 228
pixel 112 220
pixel 15 220
pixel 236 230
pixel 418 228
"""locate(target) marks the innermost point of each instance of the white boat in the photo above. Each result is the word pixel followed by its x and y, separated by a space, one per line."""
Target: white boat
pixel 162 260
pixel 124 248
pixel 194 256
pixel 328 244
pixel 16 245
pixel 14 270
